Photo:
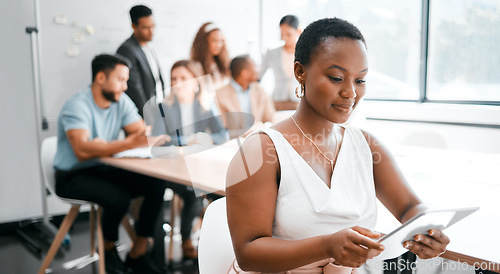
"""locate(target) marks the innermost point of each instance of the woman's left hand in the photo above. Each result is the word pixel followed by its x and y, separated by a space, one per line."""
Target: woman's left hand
pixel 428 246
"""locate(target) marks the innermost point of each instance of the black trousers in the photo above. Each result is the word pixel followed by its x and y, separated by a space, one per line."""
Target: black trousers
pixel 113 188
pixel 192 207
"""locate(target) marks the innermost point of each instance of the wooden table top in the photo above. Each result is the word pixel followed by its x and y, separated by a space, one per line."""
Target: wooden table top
pixel 204 170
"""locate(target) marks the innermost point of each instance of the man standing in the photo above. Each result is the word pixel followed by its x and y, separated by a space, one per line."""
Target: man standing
pixel 244 104
pixel 145 76
pixel 88 127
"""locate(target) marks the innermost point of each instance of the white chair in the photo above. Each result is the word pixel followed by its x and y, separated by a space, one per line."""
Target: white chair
pixel 215 249
pixel 47 155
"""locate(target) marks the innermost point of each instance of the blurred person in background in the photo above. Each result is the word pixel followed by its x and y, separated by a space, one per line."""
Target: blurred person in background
pixel 210 52
pixel 190 115
pixel 244 104
pixel 145 79
pixel 280 60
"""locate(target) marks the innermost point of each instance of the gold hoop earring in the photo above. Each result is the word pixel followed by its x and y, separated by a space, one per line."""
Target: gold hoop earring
pixel 302 91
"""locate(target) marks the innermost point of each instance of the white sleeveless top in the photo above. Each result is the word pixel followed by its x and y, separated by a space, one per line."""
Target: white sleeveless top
pixel 306 207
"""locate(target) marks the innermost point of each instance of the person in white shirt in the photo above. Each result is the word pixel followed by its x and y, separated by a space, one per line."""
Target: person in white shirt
pixel 280 60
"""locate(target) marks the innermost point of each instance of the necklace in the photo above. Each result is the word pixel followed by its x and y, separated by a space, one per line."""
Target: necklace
pixel 316 146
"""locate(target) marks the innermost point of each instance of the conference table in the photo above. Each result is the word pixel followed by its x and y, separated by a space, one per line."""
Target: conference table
pixel 463 181
pixel 204 167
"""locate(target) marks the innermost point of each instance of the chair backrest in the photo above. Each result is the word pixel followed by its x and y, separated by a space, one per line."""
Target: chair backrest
pixel 48 152
pixel 215 249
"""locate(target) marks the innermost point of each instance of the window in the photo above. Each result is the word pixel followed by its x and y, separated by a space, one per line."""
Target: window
pixel 464 56
pixel 462 61
pixel 392 33
pixel 391 29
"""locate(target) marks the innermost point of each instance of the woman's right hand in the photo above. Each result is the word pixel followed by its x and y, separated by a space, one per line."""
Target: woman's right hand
pixel 352 247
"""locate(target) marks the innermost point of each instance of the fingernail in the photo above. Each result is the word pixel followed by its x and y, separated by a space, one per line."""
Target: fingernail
pixel 431 233
pixel 406 245
pixel 382 247
pixel 418 238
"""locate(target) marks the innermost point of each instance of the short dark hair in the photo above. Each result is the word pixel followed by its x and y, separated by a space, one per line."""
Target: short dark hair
pixel 321 30
pixel 290 20
pixel 239 63
pixel 139 11
pixel 107 63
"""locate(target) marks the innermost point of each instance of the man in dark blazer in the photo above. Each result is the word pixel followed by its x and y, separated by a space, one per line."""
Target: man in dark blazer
pixel 145 79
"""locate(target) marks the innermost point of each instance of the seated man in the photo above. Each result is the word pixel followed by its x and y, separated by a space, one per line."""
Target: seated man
pixel 88 127
pixel 243 102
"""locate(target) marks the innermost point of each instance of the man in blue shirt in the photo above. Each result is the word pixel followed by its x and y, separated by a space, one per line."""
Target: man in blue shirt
pixel 88 128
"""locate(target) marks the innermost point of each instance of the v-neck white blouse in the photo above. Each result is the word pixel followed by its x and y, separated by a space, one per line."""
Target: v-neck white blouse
pixel 306 207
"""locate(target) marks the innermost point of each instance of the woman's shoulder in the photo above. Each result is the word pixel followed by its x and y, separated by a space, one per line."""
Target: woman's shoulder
pixel 259 139
pixel 257 155
pixel 267 138
pixel 364 135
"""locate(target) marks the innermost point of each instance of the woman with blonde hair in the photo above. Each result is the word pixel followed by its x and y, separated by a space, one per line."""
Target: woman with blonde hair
pixel 210 52
pixel 189 115
pixel 189 109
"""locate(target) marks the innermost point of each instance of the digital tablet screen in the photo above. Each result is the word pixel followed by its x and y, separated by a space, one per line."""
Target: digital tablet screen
pixel 419 224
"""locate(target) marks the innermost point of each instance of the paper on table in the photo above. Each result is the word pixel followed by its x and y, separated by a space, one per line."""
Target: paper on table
pixel 142 152
pixel 162 152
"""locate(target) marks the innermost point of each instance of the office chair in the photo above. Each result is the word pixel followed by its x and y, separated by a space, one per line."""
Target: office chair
pixel 215 249
pixel 47 154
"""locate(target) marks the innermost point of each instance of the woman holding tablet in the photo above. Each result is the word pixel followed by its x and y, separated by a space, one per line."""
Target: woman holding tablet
pixel 307 202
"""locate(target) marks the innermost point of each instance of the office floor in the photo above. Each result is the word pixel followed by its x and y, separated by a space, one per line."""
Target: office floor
pixel 17 258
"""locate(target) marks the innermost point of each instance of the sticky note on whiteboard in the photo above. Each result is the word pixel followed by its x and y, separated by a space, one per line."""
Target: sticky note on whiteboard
pixel 78 37
pixel 61 19
pixel 72 51
pixel 90 29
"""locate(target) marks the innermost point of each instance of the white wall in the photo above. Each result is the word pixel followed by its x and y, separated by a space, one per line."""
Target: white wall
pixel 19 171
pixel 62 76
pixel 177 23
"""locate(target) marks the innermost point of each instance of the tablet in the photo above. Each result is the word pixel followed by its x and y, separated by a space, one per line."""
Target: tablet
pixel 420 224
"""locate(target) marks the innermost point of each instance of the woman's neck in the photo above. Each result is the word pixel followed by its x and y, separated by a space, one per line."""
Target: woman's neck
pixel 311 122
pixel 289 48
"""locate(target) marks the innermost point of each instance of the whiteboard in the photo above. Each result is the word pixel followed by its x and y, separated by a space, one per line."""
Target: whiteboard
pixel 176 25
